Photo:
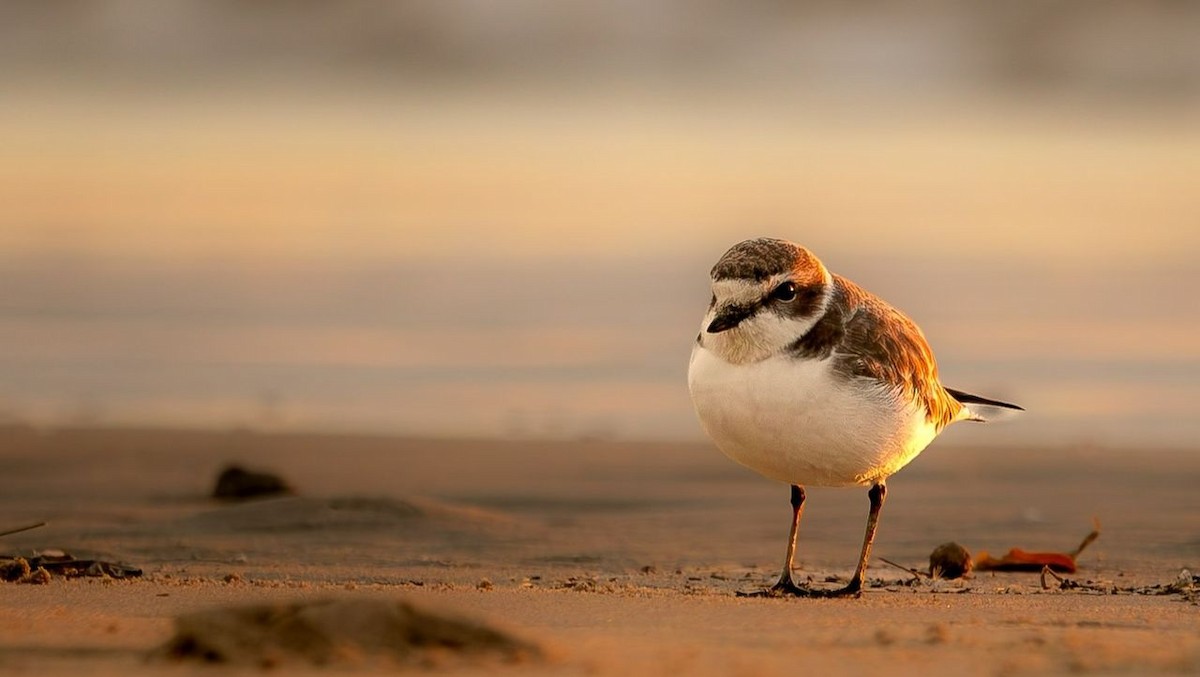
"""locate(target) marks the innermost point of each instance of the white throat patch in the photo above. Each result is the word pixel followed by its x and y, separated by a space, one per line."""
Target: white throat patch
pixel 763 334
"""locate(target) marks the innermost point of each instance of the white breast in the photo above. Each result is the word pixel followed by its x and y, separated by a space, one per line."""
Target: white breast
pixel 795 421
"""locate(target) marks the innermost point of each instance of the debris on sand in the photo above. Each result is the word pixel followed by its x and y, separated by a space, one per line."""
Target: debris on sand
pixel 952 561
pixel 15 570
pixel 948 561
pixel 235 483
pixel 1017 559
pixel 1186 585
pixel 338 631
pixel 38 569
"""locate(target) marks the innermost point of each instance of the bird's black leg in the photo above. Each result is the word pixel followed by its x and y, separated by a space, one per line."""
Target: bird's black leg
pixel 877 494
pixel 785 585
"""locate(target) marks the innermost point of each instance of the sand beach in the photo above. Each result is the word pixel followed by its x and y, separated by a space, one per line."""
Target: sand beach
pixel 612 558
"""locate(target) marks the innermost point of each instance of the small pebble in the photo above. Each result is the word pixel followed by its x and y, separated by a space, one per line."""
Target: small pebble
pixel 950 561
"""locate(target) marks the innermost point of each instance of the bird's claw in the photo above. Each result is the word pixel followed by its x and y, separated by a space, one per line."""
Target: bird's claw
pixel 787 588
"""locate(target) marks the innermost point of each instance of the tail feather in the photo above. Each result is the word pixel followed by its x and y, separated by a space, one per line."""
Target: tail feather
pixel 981 408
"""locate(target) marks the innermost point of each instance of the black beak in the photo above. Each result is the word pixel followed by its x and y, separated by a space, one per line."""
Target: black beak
pixel 728 318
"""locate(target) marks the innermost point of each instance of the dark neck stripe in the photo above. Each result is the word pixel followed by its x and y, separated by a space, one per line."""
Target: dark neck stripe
pixel 827 334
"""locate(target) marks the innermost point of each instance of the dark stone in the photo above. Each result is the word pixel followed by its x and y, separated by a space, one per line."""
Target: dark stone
pixel 950 561
pixel 237 484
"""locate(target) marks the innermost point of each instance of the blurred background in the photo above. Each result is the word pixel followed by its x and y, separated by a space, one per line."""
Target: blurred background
pixel 479 218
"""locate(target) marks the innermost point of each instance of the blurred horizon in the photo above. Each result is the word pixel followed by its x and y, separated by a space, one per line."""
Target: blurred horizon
pixel 461 218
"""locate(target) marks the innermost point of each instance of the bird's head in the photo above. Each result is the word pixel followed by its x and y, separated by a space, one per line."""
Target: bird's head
pixel 766 294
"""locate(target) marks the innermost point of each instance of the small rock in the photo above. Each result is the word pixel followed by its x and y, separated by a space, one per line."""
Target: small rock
pixel 950 561
pixel 484 584
pixel 236 483
pixel 1184 582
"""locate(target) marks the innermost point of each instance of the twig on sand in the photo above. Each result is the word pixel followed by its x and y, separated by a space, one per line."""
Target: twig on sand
pixel 18 530
pixel 916 573
pixel 1087 540
pixel 1047 571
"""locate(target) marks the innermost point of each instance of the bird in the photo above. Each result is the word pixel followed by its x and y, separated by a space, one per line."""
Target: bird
pixel 808 379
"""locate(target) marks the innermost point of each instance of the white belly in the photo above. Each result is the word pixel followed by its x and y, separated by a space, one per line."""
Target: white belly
pixel 797 422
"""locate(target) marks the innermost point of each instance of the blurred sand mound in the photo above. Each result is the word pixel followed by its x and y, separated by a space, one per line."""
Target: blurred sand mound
pixel 339 632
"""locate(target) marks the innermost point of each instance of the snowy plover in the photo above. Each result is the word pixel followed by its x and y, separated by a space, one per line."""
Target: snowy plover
pixel 808 379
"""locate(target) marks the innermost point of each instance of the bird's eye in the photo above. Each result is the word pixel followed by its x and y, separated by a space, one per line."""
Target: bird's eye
pixel 785 292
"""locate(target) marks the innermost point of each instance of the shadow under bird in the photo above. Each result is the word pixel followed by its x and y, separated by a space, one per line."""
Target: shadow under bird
pixel 806 378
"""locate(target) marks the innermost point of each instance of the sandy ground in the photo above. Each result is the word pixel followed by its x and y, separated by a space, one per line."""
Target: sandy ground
pixel 618 558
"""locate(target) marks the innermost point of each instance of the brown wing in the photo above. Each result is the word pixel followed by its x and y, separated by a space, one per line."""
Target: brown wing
pixel 869 339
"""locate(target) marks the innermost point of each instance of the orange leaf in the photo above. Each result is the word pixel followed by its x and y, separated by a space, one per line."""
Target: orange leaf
pixel 1020 560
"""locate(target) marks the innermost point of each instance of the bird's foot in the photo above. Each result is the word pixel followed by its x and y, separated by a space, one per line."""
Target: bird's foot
pixel 787 588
